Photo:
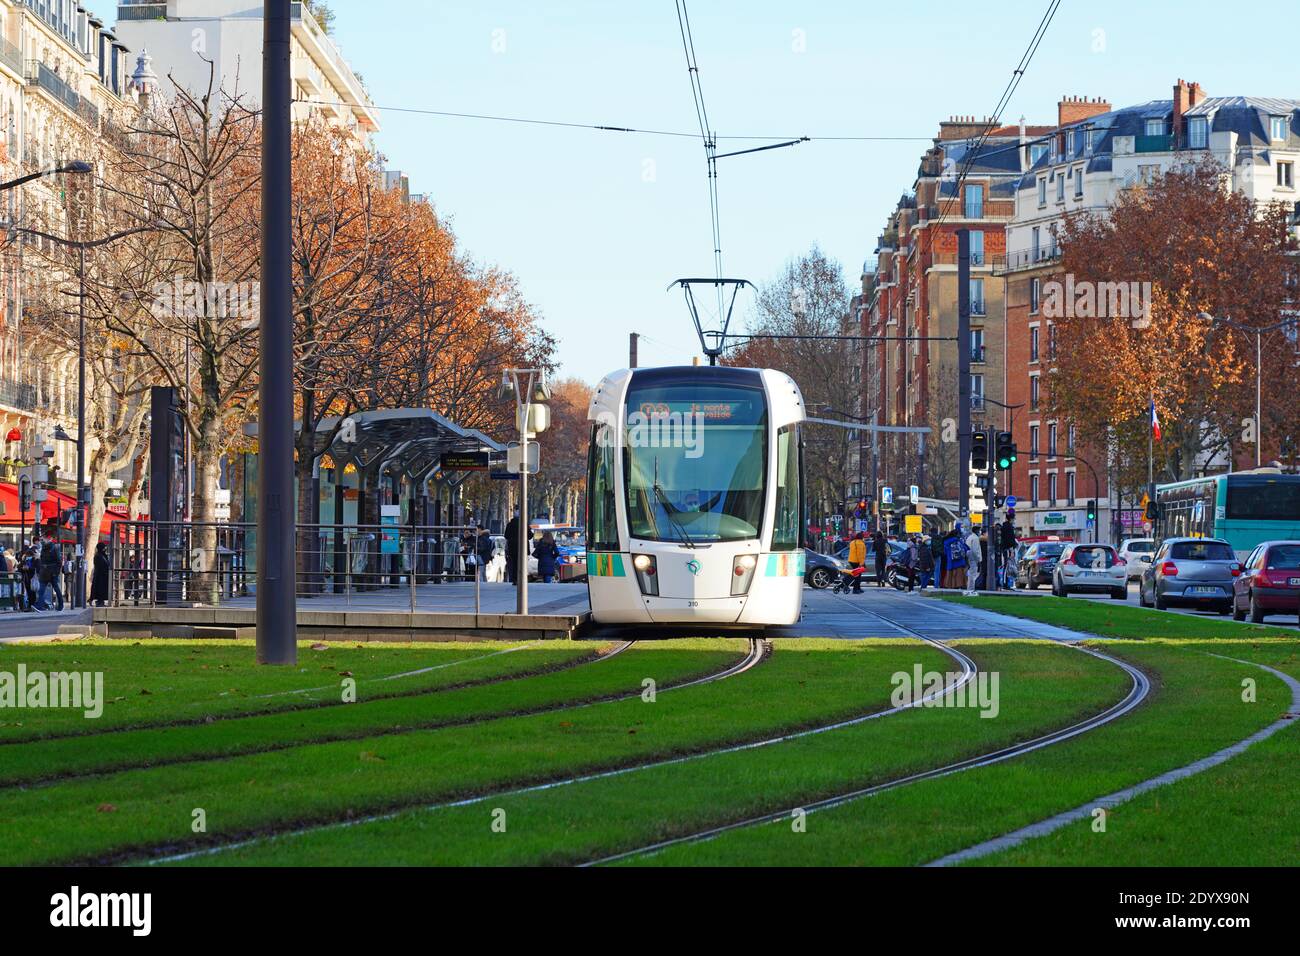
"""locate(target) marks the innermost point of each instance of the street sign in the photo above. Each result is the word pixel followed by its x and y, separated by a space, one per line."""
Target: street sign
pixel 514 458
pixel 1011 501
pixel 912 524
pixel 886 495
pixel 504 476
pixel 914 493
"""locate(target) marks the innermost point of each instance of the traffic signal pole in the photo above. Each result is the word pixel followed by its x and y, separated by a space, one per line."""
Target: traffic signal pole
pixel 963 373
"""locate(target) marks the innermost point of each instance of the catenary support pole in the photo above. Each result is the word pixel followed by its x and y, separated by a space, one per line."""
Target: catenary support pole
pixel 276 597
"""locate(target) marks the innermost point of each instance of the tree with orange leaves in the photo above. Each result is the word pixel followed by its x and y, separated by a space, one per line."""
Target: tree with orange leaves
pixel 1202 248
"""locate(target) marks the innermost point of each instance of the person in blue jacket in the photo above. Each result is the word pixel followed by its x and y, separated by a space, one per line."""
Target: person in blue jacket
pixel 548 558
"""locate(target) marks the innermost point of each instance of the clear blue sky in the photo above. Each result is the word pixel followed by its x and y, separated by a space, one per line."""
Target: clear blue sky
pixel 594 244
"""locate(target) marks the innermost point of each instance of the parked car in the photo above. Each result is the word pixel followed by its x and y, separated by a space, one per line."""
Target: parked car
pixel 1269 582
pixel 821 570
pixel 1137 554
pixel 1199 572
pixel 1037 564
pixel 1090 567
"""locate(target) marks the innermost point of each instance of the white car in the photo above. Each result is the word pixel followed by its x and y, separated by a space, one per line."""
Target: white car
pixel 1137 554
pixel 1090 567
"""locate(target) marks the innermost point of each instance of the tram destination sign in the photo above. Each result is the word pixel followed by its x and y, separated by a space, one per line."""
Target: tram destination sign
pixel 464 461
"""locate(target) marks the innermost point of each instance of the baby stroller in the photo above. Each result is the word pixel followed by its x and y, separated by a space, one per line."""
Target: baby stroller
pixel 844 583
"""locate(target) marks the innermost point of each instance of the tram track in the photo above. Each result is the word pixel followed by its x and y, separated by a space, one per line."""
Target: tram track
pixel 1139 689
pixel 759 650
pixel 620 647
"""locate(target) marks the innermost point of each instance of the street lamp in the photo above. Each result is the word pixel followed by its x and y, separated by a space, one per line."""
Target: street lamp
pixel 76 166
pixel 1258 332
pixel 529 388
pixel 83 491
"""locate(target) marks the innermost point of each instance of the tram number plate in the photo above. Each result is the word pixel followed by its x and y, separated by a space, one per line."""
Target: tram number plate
pixel 692 603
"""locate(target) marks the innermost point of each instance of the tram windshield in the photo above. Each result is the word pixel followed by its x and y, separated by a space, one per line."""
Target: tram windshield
pixel 695 461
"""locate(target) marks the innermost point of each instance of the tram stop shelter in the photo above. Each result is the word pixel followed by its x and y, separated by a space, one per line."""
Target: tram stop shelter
pixel 363 572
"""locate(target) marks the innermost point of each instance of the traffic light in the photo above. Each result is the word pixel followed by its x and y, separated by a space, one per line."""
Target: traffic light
pixel 979 450
pixel 1006 450
pixel 1092 509
pixel 1152 512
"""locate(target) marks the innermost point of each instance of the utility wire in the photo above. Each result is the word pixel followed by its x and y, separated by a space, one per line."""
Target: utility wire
pixel 996 120
pixel 706 135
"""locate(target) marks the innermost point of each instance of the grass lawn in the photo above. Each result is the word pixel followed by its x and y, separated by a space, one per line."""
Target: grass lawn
pixel 599 817
pixel 1197 709
pixel 1113 619
pixel 806 682
pixel 161 682
pixel 667 662
pixel 1241 813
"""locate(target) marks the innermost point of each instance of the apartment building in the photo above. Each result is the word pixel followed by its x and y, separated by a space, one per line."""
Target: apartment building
pixel 188 36
pixel 1094 154
pixel 966 180
pixel 64 87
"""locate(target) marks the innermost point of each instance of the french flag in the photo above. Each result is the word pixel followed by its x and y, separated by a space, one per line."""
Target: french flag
pixel 1155 421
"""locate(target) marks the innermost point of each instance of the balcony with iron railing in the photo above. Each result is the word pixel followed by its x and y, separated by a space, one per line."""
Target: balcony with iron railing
pixel 979 354
pixel 40 76
pixel 977 403
pixel 136 10
pixel 1023 259
pixel 1159 143
pixel 11 56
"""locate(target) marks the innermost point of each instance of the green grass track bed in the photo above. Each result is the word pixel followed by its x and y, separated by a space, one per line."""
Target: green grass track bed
pixel 1196 709
pixel 666 662
pixel 1241 813
pixel 804 683
pixel 1042 686
pixel 170 682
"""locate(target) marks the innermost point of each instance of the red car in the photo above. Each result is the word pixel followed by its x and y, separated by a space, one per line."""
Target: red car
pixel 1270 583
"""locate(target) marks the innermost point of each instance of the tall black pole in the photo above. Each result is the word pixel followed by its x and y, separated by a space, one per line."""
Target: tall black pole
pixel 276 598
pixel 83 509
pixel 963 372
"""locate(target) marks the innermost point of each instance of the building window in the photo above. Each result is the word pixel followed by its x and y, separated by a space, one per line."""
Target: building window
pixel 1051 341
pixel 1091 140
pixel 1078 183
pixel 1037 152
pixel 1069 142
pixel 1155 127
pixel 1198 132
pixel 1033 489
pixel 977 392
pixel 1060 186
pixel 1280 127
pixel 1033 342
pixel 1069 487
pixel 977 297
pixel 1035 243
pixel 1286 175
pixel 1033 392
pixel 1035 299
pixel 1051 441
pixel 1042 191
pixel 1148 174
pixel 977 345
pixel 1033 442
pixel 976 247
pixel 1051 488
pixel 974 202
pixel 1070 436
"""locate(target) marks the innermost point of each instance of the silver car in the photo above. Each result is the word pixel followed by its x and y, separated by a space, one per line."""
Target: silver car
pixel 1090 567
pixel 1198 572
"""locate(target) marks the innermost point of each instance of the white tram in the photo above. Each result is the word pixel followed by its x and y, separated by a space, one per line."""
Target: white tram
pixel 694 502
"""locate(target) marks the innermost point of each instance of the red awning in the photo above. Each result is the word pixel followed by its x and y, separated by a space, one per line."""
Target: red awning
pixel 58 503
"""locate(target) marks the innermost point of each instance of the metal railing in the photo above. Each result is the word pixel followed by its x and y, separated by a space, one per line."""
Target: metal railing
pixel 1027 259
pixel 378 567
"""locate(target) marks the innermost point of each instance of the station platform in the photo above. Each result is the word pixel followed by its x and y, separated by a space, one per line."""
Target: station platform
pixel 443 612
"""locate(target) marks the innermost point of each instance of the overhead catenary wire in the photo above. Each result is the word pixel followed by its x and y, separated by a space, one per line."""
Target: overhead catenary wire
pixel 613 128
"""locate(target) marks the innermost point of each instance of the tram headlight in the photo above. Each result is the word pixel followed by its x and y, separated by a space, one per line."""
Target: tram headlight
pixel 647 573
pixel 742 573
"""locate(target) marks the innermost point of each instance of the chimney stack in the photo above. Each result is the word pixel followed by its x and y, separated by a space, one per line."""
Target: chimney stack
pixel 1186 95
pixel 1072 109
